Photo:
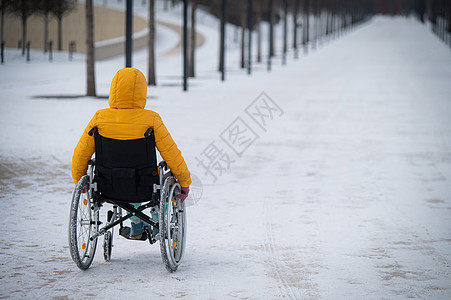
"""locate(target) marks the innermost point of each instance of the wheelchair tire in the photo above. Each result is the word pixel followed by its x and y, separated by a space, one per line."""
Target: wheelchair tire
pixel 81 225
pixel 172 223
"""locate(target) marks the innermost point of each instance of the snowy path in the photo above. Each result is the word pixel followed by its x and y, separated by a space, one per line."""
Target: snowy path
pixel 345 196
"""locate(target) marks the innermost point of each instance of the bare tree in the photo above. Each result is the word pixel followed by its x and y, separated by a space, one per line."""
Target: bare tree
pixel 243 32
pixel 90 51
pixel 448 20
pixel 60 9
pixel 4 5
pixel 45 7
pixel 271 28
pixel 24 8
pixel 314 37
pixel 306 24
pixel 258 21
pixel 295 25
pixel 151 78
pixel 221 39
pixel 285 30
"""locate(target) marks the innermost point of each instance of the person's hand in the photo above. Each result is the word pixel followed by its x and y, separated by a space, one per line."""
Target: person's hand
pixel 85 188
pixel 182 196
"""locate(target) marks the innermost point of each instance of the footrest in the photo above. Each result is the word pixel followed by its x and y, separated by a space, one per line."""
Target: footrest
pixel 152 239
pixel 125 232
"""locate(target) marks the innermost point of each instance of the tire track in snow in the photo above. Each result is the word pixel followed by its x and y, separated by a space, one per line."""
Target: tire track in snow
pixel 278 267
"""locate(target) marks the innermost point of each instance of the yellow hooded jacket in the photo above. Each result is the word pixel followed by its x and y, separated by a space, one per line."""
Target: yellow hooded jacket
pixel 127 119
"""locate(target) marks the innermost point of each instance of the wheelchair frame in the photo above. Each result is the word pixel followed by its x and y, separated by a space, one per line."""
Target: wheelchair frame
pixel 85 225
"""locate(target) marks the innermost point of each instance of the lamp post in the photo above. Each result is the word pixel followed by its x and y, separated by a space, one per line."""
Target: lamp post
pixel 185 45
pixel 128 33
pixel 223 22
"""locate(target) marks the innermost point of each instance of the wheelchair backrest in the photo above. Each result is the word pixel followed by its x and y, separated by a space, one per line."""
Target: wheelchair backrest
pixel 126 170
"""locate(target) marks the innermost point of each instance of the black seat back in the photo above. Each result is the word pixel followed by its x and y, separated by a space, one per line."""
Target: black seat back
pixel 126 170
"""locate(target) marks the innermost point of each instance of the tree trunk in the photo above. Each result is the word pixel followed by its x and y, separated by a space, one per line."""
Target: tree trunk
pixel 449 22
pixel 327 23
pixel 24 33
pixel 259 34
pixel 444 19
pixel 295 24
pixel 223 33
pixel 249 37
pixel 243 32
pixel 2 25
pixel 320 25
pixel 46 31
pixel 221 42
pixel 271 29
pixel 314 37
pixel 192 47
pixel 305 35
pixel 90 51
pixel 60 33
pixel 151 78
pixel 285 30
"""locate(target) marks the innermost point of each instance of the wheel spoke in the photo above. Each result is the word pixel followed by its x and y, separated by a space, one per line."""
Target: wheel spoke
pixel 83 233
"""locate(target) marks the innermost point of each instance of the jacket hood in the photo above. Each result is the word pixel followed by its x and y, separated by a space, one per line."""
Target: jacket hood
pixel 128 89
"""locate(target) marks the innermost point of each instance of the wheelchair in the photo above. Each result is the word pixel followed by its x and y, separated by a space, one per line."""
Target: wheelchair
pixel 124 172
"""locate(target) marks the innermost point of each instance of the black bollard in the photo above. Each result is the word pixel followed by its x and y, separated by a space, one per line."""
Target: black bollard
pixel 28 51
pixel 3 52
pixel 19 44
pixel 72 49
pixel 71 44
pixel 50 51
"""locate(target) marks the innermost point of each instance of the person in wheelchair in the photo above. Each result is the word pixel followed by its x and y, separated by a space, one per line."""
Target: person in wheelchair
pixel 127 119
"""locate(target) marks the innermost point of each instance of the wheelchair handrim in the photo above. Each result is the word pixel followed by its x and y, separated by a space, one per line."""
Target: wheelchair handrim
pixel 174 242
pixel 82 249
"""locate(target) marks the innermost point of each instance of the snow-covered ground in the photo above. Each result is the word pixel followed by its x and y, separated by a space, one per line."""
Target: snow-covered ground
pixel 345 193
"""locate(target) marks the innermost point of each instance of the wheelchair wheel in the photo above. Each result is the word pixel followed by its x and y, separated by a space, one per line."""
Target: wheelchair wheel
pixel 172 223
pixel 81 225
